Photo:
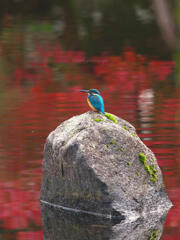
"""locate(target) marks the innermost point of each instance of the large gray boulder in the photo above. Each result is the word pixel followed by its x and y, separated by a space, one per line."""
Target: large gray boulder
pixel 96 166
pixel 63 225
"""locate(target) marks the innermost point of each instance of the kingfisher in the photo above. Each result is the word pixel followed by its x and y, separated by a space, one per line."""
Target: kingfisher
pixel 95 100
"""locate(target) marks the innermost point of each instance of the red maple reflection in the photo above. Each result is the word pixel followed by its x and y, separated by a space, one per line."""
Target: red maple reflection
pixel 24 128
pixel 128 72
pixel 18 209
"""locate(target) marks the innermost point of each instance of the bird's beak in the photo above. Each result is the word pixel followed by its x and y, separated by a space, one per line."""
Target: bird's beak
pixel 85 91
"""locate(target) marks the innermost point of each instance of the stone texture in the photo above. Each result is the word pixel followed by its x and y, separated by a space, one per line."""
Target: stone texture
pixel 67 225
pixel 94 165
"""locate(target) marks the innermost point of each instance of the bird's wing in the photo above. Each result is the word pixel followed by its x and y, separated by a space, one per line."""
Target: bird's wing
pixel 97 102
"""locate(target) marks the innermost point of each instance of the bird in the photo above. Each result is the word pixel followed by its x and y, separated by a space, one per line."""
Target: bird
pixel 95 100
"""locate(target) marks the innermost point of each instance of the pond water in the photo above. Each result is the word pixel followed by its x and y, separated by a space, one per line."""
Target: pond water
pixel 43 64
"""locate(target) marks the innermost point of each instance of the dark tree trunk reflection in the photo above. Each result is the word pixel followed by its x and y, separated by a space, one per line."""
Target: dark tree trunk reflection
pixel 166 22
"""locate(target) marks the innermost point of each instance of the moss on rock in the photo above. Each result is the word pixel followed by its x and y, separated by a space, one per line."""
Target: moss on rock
pixel 112 141
pixel 126 128
pixel 134 135
pixel 149 168
pixel 98 120
pixel 153 235
pixel 142 157
pixel 111 117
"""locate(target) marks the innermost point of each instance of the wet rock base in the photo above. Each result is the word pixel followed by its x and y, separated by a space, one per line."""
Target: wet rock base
pixel 62 224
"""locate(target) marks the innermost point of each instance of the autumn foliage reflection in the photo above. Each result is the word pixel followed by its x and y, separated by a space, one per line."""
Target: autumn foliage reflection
pixel 128 73
pixel 49 70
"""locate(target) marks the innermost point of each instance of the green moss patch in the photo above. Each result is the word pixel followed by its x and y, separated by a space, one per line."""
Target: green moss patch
pixel 153 235
pixel 112 141
pixel 111 117
pixel 152 168
pixel 121 149
pixel 134 135
pixel 142 157
pixel 154 178
pixel 128 163
pixel 149 168
pixel 125 128
pixel 98 120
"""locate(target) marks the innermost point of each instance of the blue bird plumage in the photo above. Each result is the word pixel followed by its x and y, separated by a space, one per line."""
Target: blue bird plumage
pixel 95 100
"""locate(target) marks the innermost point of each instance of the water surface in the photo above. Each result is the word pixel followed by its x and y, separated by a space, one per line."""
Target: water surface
pixel 43 66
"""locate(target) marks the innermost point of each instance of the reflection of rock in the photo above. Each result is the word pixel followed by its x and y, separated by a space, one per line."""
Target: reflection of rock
pixel 96 165
pixel 62 225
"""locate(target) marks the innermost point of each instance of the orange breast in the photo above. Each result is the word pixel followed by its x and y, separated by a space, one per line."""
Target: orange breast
pixel 91 106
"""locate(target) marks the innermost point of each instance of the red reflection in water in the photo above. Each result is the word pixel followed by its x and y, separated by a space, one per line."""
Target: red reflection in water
pixel 129 72
pixel 19 208
pixel 129 92
pixel 29 235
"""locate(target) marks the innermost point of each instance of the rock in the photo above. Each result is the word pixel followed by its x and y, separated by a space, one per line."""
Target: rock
pixel 66 225
pixel 101 167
